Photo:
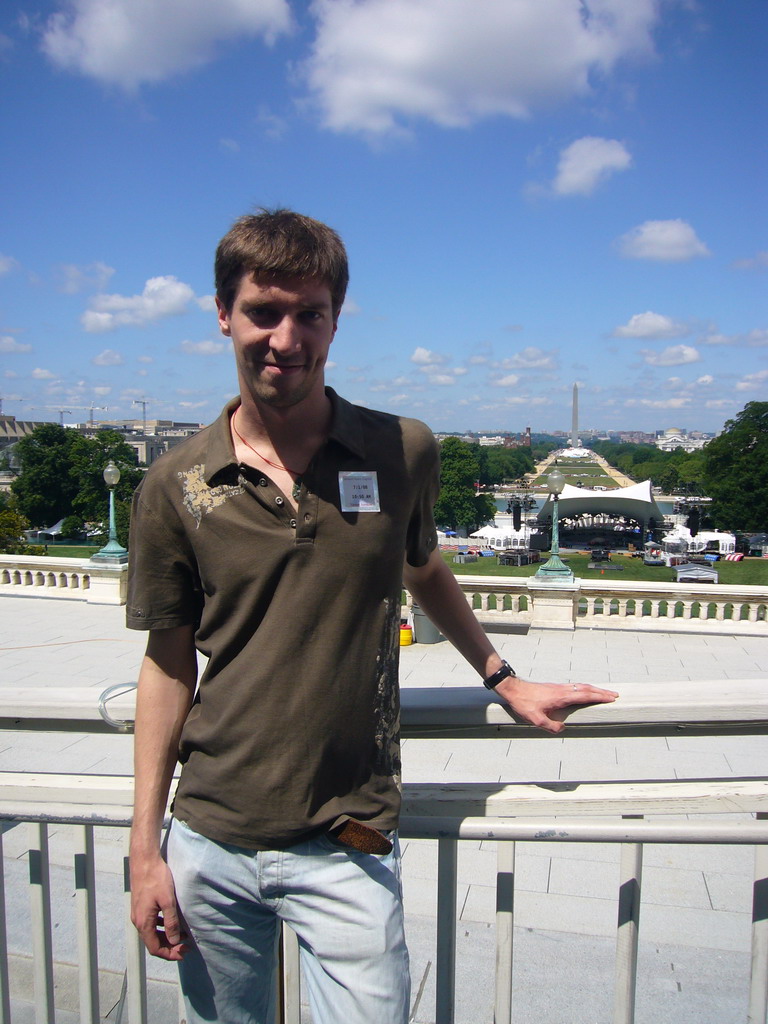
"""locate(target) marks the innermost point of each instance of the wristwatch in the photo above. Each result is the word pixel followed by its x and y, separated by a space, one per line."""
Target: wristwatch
pixel 493 681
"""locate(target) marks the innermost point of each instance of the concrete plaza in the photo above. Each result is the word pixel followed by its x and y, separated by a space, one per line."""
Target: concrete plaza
pixel 695 921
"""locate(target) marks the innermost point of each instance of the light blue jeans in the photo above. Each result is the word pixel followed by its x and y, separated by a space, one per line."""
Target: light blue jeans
pixel 345 907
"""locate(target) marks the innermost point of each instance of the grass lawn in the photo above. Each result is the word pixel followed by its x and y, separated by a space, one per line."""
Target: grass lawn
pixel 73 550
pixel 751 572
pixel 586 474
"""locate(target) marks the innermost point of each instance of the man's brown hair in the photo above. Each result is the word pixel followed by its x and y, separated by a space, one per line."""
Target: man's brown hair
pixel 281 244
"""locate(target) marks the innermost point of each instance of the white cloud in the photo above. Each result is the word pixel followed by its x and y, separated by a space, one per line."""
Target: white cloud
pixel 7 264
pixel 207 303
pixel 526 400
pixel 587 162
pixel 102 391
pixel 668 241
pixel 424 357
pixel 108 358
pixel 752 380
pixel 506 382
pixel 659 403
pixel 706 380
pixel 675 355
pixel 379 63
pixel 757 262
pixel 128 42
pixel 442 379
pixel 40 374
pixel 72 279
pixel 715 338
pixel 162 296
pixel 272 125
pixel 146 359
pixel 531 358
pixel 651 325
pixel 9 344
pixel 755 338
pixel 203 348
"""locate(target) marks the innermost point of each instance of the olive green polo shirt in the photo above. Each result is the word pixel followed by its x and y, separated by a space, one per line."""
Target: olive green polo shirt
pixel 296 719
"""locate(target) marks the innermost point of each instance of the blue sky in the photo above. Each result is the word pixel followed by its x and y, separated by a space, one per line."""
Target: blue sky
pixel 532 193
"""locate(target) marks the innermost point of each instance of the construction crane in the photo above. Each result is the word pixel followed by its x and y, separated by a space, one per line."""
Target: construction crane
pixel 101 408
pixel 9 400
pixel 143 402
pixel 77 408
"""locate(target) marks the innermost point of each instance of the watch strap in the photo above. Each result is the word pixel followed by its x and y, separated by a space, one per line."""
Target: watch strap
pixel 493 681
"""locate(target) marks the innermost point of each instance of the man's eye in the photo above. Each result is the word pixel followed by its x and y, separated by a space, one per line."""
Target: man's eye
pixel 264 316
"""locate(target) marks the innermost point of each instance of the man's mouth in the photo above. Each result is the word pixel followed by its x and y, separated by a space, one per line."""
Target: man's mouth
pixel 282 368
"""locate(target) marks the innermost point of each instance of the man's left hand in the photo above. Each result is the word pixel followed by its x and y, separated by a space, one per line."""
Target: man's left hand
pixel 544 704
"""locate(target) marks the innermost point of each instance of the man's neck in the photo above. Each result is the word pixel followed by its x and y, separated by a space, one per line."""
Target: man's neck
pixel 292 425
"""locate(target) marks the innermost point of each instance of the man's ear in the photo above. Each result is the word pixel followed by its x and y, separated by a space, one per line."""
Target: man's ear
pixel 223 317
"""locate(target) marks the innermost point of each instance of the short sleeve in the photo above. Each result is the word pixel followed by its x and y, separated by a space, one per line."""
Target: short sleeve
pixel 421 540
pixel 163 582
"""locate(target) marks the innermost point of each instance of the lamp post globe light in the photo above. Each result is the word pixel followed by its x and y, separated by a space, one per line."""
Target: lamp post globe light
pixel 555 568
pixel 112 553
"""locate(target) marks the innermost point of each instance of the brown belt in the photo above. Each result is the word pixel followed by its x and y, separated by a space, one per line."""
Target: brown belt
pixel 362 837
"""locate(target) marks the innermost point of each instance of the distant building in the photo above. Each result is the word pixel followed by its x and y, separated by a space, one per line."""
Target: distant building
pixel 674 438
pixel 12 430
pixel 160 436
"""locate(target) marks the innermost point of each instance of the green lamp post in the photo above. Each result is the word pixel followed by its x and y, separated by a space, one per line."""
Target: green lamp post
pixel 112 553
pixel 555 568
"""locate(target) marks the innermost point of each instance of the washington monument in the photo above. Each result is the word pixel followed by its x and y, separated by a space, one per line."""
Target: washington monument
pixel 575 418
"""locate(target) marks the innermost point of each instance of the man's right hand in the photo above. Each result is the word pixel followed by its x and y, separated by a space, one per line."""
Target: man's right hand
pixel 153 907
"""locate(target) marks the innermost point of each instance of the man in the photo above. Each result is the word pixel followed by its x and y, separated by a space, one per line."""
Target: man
pixel 275 542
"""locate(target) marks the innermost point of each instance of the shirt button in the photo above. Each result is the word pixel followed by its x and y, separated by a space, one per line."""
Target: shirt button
pixel 293 523
pixel 279 501
pixel 307 517
pixel 262 482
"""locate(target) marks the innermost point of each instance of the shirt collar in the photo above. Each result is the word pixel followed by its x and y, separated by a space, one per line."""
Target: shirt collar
pixel 346 429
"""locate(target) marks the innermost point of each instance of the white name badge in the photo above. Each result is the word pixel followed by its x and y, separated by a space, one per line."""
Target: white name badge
pixel 359 492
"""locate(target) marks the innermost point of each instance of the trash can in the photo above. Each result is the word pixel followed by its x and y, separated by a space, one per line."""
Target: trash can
pixel 424 631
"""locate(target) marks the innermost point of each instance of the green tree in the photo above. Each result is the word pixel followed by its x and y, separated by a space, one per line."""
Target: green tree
pixel 61 475
pixel 458 506
pixel 72 527
pixel 504 464
pixel 88 458
pixel 12 527
pixel 44 488
pixel 735 470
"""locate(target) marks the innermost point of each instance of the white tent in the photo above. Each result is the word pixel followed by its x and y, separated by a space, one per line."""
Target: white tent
pixel 634 502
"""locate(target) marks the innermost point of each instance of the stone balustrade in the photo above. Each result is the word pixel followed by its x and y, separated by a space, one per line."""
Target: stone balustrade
pixel 500 600
pixel 616 604
pixel 69 578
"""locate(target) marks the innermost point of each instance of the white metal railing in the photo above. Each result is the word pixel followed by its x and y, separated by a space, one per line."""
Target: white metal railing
pixel 532 812
pixel 615 604
pixel 68 578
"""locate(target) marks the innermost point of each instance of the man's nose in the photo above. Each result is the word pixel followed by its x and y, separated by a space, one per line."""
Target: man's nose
pixel 286 336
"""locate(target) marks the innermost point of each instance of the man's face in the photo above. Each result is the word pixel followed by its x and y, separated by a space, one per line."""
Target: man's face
pixel 281 332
